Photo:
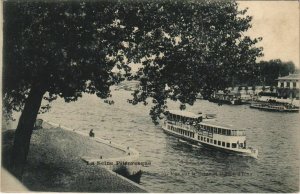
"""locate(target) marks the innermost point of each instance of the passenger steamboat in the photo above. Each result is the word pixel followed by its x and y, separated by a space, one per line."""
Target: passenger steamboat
pixel 276 107
pixel 193 128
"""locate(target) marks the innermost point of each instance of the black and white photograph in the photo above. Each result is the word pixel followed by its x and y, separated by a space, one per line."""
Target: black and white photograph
pixel 150 96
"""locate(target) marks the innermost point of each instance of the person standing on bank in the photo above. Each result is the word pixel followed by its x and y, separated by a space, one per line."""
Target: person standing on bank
pixel 92 134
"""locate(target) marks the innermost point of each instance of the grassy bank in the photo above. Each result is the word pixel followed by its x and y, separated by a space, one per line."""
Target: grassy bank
pixel 54 163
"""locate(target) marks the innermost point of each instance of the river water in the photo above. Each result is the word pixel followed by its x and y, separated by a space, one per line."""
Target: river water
pixel 179 167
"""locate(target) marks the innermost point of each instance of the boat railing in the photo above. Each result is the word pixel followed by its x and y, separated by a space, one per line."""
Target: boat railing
pixel 183 125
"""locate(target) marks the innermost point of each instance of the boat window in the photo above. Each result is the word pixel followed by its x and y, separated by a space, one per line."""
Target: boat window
pixel 219 142
pixel 233 132
pixel 233 145
pixel 228 145
pixel 223 132
pixel 201 138
pixel 241 145
pixel 207 140
pixel 219 131
pixel 204 138
pixel 228 132
pixel 223 143
pixel 215 141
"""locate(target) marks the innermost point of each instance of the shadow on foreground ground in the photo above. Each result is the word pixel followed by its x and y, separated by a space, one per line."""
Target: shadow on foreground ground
pixel 54 163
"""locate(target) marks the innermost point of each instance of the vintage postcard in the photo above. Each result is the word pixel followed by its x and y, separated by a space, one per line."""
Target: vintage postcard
pixel 171 96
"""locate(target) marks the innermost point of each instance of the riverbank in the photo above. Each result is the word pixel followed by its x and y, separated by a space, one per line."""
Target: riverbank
pixel 55 164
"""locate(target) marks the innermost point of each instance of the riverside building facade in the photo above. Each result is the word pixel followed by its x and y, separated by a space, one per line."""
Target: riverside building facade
pixel 289 86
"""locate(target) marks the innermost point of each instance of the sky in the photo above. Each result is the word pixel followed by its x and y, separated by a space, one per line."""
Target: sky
pixel 277 22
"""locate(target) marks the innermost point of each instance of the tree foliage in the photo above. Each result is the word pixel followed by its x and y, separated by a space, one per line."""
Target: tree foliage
pixel 197 47
pixel 67 48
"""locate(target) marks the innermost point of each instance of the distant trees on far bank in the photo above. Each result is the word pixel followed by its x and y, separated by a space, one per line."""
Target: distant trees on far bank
pixel 267 72
pixel 271 70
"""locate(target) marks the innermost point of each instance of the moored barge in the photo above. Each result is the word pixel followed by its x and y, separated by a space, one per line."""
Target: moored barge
pixel 229 98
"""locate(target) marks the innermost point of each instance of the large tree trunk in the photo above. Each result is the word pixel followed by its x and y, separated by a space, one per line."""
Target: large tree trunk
pixel 24 131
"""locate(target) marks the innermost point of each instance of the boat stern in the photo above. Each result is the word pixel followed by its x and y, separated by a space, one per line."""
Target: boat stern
pixel 253 153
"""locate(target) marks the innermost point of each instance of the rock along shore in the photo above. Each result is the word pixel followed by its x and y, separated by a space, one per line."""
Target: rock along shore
pixel 55 163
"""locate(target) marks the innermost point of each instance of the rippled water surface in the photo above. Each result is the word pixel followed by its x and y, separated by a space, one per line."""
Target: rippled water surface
pixel 178 167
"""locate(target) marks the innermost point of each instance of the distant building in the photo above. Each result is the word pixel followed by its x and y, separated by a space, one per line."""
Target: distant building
pixel 250 90
pixel 289 86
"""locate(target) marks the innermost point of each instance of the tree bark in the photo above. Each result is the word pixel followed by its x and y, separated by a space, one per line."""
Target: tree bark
pixel 24 131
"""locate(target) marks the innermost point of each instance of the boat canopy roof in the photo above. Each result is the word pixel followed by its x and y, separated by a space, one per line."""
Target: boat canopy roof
pixel 217 125
pixel 185 114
